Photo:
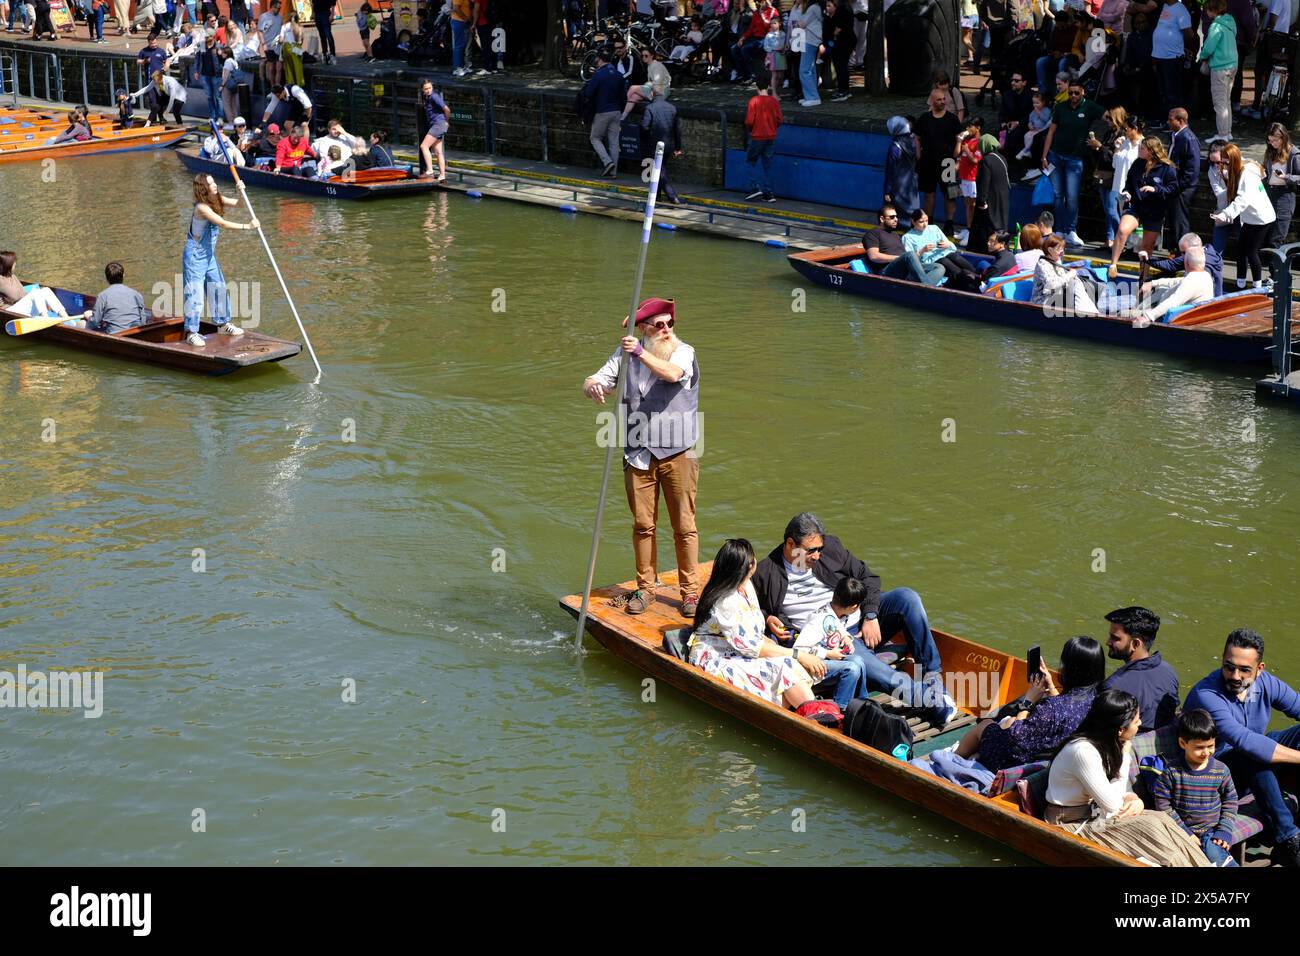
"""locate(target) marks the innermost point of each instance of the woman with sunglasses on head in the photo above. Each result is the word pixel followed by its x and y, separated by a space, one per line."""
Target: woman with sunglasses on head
pixel 1247 198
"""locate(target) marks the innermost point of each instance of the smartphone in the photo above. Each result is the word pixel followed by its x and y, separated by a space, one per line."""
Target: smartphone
pixel 1034 661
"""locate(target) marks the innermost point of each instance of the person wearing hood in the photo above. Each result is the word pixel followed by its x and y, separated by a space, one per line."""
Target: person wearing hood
pixel 901 187
pixel 992 195
pixel 1219 55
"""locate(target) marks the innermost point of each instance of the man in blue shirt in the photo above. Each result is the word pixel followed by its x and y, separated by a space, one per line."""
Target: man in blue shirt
pixel 1241 697
pixel 602 99
pixel 152 56
pixel 1145 675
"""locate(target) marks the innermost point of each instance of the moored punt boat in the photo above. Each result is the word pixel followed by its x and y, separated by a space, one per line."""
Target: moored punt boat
pixel 1234 328
pixel 162 342
pixel 368 184
pixel 639 640
pixel 25 136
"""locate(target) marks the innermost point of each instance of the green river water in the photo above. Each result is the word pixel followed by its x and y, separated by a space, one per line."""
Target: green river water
pixel 373 560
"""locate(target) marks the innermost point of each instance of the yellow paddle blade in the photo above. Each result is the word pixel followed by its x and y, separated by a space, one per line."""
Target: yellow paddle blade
pixel 32 323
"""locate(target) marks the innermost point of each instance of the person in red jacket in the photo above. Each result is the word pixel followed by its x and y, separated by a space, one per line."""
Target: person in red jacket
pixel 293 151
pixel 750 43
pixel 762 119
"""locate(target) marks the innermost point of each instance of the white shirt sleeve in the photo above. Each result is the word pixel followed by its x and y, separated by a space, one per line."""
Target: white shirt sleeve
pixel 297 93
pixel 684 358
pixel 607 374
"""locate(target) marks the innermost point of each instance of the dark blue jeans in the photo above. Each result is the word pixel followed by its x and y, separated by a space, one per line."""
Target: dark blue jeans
pixel 1066 178
pixel 1216 854
pixel 740 57
pixel 760 154
pixel 1251 776
pixel 900 609
pixel 845 680
pixel 1169 77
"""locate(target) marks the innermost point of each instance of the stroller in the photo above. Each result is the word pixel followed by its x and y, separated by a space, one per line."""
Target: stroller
pixel 696 65
pixel 433 45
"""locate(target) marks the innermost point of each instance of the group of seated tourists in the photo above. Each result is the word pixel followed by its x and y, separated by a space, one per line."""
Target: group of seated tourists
pixel 924 254
pixel 117 308
pixel 290 151
pixel 806 621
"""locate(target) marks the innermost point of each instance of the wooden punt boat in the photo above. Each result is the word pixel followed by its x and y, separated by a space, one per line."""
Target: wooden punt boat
pixel 368 184
pixel 1235 328
pixel 162 342
pixel 639 640
pixel 24 136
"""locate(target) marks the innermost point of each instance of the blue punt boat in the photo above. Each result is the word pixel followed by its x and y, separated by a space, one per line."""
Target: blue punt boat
pixel 1236 327
pixel 368 184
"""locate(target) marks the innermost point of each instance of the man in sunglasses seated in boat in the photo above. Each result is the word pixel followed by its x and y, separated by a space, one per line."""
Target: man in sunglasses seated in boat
pixel 886 255
pixel 1213 261
pixel 119 307
pixel 800 576
pixel 1158 297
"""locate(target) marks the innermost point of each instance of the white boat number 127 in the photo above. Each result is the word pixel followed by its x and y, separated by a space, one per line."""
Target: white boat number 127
pixel 836 279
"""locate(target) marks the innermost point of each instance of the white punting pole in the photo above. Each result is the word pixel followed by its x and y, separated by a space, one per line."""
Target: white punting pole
pixel 651 194
pixel 243 191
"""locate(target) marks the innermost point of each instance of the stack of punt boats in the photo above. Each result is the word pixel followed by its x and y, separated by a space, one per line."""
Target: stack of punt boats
pixel 25 135
pixel 1236 327
pixel 987 673
pixel 377 183
pixel 162 342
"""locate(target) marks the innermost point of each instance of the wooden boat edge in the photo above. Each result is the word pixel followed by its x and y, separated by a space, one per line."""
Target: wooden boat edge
pixel 991 818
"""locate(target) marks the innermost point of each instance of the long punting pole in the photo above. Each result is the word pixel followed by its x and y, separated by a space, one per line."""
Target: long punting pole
pixel 243 191
pixel 651 194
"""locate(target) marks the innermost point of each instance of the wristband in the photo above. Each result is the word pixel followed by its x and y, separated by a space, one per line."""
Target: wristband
pixel 639 349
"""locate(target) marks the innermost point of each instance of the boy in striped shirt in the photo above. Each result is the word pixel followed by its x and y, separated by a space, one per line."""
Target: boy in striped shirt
pixel 1198 790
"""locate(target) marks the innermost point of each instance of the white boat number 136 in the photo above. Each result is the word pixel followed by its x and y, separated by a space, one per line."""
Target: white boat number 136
pixel 331 191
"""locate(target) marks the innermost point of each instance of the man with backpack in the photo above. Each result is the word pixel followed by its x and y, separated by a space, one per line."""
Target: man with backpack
pixel 600 104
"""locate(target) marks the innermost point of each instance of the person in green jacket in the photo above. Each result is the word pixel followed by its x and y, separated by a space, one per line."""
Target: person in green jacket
pixel 1219 56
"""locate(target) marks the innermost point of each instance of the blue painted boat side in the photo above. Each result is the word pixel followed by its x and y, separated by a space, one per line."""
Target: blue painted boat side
pixel 1174 340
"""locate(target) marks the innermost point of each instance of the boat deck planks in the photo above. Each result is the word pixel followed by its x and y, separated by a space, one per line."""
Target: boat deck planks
pixel 638 640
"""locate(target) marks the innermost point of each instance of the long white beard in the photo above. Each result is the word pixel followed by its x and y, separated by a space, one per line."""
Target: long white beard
pixel 661 348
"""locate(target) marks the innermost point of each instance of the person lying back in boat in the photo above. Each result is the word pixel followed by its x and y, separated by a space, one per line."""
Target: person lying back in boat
pixel 934 248
pixel 1161 295
pixel 212 149
pixel 1004 260
pixel 1089 791
pixel 119 307
pixel 1057 287
pixel 885 253
pixel 801 575
pixel 1213 261
pixel 294 155
pixel 1040 720
pixel 1241 697
pixel 78 130
pixel 34 300
pixel 728 640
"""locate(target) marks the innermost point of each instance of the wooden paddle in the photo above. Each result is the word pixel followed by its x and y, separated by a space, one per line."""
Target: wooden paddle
pixel 34 323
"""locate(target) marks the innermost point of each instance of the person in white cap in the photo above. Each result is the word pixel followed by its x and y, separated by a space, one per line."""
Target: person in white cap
pixel 212 149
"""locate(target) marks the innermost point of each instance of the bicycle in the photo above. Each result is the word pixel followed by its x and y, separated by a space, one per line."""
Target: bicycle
pixel 1275 101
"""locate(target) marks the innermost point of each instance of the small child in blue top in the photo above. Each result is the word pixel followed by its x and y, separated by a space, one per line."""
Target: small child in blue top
pixel 1198 790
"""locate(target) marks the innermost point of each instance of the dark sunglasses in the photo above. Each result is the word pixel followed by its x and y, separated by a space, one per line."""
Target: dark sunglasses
pixel 660 324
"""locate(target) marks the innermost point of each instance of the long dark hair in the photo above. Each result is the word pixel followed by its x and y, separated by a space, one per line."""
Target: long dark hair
pixel 732 565
pixel 1083 663
pixel 1111 711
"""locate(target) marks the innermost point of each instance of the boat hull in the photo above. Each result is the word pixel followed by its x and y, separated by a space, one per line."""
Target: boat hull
pixel 638 641
pixel 819 266
pixel 329 189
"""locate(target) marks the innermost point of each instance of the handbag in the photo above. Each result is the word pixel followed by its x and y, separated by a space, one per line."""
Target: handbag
pixel 1043 194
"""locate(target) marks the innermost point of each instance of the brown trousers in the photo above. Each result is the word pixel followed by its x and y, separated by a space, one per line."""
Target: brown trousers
pixel 678 477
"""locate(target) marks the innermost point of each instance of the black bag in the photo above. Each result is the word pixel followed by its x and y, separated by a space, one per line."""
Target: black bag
pixel 867 722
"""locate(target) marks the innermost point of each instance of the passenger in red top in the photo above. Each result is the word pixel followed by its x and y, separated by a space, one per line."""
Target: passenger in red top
pixel 293 151
pixel 750 43
pixel 762 119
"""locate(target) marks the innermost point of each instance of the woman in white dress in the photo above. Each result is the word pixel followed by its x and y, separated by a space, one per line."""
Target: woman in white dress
pixel 730 642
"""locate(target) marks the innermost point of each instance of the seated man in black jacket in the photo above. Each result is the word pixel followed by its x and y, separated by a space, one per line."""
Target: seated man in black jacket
pixel 798 578
pixel 1004 260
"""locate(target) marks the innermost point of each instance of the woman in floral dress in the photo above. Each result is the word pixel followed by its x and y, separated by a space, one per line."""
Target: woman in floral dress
pixel 730 641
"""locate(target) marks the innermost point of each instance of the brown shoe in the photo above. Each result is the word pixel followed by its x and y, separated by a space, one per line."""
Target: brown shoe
pixel 637 603
pixel 689 603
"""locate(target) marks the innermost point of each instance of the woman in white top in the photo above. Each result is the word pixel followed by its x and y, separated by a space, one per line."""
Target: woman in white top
pixel 1030 246
pixel 1058 288
pixel 1088 791
pixel 730 641
pixel 1122 148
pixel 1244 186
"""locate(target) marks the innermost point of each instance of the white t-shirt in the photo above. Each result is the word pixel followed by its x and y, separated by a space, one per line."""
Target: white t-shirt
pixel 1284 15
pixel 1122 161
pixel 804 595
pixel 322 147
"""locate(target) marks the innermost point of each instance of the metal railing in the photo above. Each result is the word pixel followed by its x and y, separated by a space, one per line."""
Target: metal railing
pixel 9 76
pixel 1280 263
